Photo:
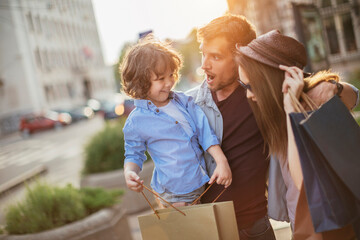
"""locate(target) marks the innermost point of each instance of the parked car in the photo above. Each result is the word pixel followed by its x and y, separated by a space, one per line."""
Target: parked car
pixel 78 113
pixel 112 110
pixel 31 123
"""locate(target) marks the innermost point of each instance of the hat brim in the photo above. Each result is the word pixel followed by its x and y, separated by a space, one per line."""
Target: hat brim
pixel 247 51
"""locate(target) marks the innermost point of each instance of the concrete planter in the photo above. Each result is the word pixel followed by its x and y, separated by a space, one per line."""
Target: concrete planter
pixel 109 224
pixel 132 201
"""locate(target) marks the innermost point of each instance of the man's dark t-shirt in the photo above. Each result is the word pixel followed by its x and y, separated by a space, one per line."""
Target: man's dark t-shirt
pixel 243 146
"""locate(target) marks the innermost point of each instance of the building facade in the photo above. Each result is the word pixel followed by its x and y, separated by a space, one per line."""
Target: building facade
pixel 50 57
pixel 330 29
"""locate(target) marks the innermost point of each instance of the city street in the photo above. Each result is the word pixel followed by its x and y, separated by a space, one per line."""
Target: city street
pixel 59 151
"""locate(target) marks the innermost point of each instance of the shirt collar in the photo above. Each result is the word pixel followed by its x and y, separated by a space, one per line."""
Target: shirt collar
pixel 147 104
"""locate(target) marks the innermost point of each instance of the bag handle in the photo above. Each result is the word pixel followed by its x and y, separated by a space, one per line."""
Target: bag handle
pixel 173 205
pixel 195 201
pixel 160 198
pixel 298 106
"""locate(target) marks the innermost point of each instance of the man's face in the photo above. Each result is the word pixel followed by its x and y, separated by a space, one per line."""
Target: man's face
pixel 218 64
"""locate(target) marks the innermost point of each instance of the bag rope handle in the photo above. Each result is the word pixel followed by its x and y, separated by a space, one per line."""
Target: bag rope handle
pixel 160 198
pixel 195 201
pixel 298 106
pixel 155 212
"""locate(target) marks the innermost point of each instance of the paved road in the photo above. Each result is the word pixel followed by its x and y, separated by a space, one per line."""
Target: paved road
pixel 61 152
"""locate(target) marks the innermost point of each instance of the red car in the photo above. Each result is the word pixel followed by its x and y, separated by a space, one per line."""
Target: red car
pixel 32 122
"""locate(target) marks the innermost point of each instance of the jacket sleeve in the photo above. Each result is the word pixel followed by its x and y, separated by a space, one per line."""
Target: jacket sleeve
pixel 135 146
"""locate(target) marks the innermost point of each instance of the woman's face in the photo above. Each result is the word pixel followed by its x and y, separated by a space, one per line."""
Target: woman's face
pixel 244 81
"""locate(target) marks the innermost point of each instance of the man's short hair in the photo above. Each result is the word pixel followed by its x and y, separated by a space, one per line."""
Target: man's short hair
pixel 235 28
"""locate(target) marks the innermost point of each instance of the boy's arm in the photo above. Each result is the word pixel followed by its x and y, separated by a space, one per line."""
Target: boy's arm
pixel 131 171
pixel 134 156
pixel 206 135
pixel 222 173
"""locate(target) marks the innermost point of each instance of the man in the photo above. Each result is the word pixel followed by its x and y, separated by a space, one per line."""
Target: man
pixel 224 102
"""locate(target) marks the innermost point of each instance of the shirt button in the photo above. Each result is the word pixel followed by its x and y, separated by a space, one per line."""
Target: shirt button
pixel 176 122
pixel 157 110
pixel 149 103
pixel 218 115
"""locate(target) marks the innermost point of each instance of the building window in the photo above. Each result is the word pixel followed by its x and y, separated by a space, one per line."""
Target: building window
pixel 326 3
pixel 349 35
pixel 38 24
pixel 38 58
pixel 338 2
pixel 30 22
pixel 332 37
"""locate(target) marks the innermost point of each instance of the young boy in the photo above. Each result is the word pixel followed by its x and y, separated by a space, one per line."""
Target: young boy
pixel 168 125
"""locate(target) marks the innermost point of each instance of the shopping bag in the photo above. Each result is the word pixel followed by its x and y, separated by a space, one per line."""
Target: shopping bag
pixel 337 135
pixel 331 202
pixel 304 229
pixel 211 221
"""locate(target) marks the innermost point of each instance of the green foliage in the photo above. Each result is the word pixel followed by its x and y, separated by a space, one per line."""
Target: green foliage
pixel 354 79
pixel 46 207
pixel 105 151
pixel 95 199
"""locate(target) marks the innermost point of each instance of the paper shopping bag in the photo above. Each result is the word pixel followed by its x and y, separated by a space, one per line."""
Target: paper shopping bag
pixel 330 196
pixel 212 221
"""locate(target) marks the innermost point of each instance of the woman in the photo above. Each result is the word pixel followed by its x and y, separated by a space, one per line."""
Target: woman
pixel 269 68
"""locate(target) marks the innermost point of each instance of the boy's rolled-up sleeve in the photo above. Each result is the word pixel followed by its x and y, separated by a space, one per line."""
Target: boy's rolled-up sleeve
pixel 207 137
pixel 134 145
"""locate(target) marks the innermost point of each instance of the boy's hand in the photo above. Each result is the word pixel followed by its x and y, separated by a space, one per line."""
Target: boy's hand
pixel 222 174
pixel 133 181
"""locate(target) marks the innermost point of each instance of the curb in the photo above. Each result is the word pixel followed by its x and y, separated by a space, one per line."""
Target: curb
pixel 22 178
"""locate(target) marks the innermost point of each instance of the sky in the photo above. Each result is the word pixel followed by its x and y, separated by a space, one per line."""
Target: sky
pixel 120 21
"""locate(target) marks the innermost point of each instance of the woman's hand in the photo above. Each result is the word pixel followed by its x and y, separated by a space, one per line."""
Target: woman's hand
pixel 294 81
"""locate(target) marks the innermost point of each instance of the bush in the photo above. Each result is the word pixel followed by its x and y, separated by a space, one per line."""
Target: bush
pixel 46 207
pixel 95 199
pixel 105 151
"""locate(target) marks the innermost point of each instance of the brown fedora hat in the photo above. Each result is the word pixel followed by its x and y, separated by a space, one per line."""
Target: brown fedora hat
pixel 274 49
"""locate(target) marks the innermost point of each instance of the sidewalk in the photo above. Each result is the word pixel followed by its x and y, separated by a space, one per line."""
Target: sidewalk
pixel 282 229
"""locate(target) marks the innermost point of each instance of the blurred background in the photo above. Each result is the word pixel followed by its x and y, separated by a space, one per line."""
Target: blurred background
pixel 59 81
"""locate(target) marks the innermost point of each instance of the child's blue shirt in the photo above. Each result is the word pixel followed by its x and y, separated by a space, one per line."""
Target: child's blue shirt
pixel 178 157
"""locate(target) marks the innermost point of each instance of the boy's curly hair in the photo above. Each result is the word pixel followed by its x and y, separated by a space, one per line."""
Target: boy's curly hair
pixel 143 59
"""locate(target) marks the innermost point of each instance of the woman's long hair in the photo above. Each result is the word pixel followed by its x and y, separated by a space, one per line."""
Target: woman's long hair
pixel 266 84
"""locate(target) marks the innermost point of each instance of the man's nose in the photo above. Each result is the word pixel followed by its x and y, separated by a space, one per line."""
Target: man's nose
pixel 205 65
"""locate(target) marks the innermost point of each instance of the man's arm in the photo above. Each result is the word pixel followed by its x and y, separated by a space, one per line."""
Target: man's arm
pixel 350 95
pixel 326 90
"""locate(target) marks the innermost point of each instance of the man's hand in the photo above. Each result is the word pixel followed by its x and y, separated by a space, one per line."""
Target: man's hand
pixel 322 93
